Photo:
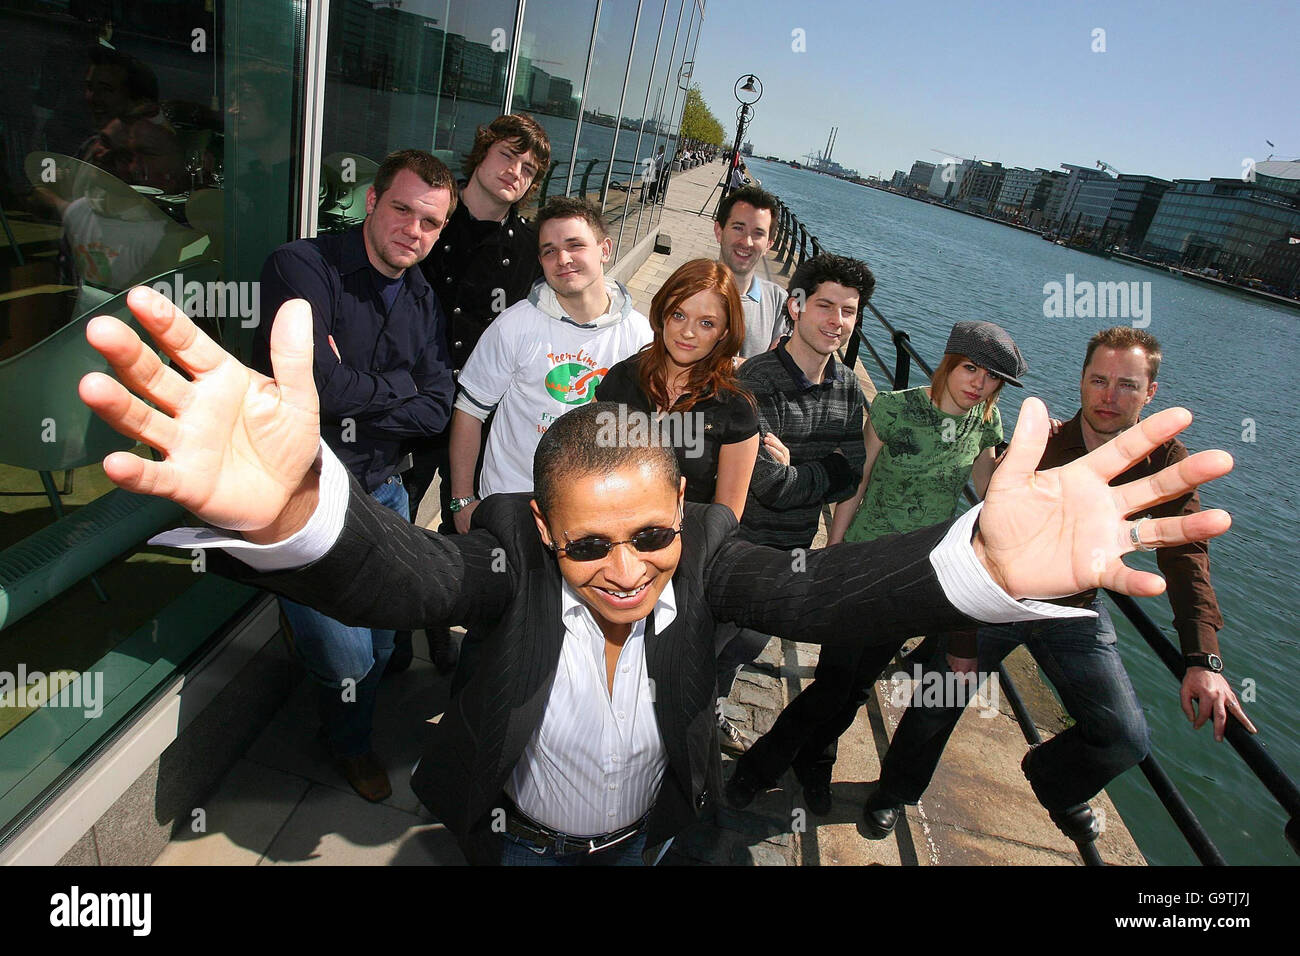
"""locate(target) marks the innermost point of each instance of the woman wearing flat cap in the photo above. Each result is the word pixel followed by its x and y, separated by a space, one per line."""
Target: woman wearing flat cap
pixel 923 444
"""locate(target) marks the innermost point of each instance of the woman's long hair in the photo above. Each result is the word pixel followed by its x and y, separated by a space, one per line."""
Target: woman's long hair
pixel 716 372
pixel 939 381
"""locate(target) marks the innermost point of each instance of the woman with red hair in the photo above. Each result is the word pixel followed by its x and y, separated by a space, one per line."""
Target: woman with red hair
pixel 685 383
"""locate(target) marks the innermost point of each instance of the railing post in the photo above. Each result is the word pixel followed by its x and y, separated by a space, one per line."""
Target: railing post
pixel 586 173
pixel 902 361
pixel 778 228
pixel 855 342
pixel 803 244
pixel 817 246
pixel 789 251
pixel 546 183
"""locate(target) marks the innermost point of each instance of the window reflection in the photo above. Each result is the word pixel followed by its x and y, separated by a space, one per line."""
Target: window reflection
pixel 425 76
pixel 121 150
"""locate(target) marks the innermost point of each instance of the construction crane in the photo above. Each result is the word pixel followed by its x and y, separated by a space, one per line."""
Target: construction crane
pixel 949 154
pixel 1107 168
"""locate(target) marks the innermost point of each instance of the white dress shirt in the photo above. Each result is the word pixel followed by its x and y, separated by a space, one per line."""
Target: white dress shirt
pixel 595 763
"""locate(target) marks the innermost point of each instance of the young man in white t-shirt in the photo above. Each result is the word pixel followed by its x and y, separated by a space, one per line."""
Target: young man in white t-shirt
pixel 541 357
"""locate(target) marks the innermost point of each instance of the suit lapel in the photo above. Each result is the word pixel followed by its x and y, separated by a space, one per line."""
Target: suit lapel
pixel 532 661
pixel 667 669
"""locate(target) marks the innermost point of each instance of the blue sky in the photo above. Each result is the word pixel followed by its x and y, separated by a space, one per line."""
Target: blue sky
pixel 1183 90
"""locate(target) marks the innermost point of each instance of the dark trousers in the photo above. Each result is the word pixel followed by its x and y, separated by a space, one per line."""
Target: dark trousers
pixel 432 457
pixel 806 735
pixel 1081 659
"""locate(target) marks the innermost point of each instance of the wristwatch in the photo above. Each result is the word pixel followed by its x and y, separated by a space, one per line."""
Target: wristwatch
pixel 460 504
pixel 1213 661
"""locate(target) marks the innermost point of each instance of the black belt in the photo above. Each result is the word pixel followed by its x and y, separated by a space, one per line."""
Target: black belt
pixel 526 828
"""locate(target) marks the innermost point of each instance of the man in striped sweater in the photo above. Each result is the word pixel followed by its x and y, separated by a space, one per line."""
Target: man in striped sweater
pixel 810 412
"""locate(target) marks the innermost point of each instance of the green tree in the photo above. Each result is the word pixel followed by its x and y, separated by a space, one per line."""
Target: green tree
pixel 698 122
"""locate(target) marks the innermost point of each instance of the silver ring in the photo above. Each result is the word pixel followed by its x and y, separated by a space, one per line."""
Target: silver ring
pixel 1134 536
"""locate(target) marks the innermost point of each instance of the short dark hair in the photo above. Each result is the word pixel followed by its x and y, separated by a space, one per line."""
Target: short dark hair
pixel 1127 337
pixel 525 135
pixel 756 196
pixel 591 439
pixel 571 207
pixel 827 267
pixel 428 167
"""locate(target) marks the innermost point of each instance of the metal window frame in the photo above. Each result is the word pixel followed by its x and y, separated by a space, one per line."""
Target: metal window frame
pixel 315 47
pixel 687 50
pixel 618 118
pixel 667 164
pixel 513 69
pixel 582 100
pixel 627 201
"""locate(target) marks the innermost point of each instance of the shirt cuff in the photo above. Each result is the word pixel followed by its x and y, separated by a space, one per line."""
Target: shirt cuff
pixel 308 544
pixel 971 590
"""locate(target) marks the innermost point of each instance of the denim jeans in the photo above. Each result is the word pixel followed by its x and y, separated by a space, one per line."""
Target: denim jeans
pixel 333 653
pixel 1080 658
pixel 517 852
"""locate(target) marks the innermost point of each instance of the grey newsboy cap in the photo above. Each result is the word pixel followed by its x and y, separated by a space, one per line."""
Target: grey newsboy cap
pixel 989 346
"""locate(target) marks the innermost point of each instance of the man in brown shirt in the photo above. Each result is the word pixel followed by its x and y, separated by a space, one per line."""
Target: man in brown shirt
pixel 1079 656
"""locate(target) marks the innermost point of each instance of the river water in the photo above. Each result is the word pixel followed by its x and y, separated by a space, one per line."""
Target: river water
pixel 1229 358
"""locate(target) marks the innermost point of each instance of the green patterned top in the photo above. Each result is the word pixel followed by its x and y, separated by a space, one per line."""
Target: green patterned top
pixel 925 462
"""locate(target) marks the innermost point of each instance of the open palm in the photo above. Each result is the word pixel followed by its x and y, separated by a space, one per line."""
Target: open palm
pixel 1047 534
pixel 237 444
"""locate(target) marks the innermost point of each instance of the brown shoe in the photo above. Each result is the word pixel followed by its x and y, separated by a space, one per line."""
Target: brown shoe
pixel 366 775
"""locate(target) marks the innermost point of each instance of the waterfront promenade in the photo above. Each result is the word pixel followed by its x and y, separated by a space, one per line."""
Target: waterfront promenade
pixel 283 802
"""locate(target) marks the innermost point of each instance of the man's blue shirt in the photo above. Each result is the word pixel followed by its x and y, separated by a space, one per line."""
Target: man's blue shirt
pixel 391 379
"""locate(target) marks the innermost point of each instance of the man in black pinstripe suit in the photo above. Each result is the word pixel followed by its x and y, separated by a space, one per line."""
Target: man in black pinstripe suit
pixel 583 730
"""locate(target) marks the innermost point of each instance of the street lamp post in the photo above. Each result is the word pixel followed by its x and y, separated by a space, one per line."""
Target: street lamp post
pixel 748 91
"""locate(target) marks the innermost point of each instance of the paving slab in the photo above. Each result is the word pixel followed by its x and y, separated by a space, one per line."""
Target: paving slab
pixel 251 806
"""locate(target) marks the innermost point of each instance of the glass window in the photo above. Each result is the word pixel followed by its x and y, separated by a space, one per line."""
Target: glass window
pixel 606 132
pixel 637 110
pixel 422 76
pixel 149 143
pixel 551 65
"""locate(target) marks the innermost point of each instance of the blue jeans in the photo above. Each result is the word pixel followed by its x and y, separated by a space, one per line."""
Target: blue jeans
pixel 1080 657
pixel 517 852
pixel 334 653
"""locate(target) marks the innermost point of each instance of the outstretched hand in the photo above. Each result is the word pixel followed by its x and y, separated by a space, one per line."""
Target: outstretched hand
pixel 238 446
pixel 1048 534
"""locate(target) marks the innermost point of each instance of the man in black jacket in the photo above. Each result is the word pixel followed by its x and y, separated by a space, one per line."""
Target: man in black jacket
pixel 593 695
pixel 484 262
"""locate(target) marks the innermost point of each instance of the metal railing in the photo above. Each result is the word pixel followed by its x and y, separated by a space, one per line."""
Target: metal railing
pixel 791 241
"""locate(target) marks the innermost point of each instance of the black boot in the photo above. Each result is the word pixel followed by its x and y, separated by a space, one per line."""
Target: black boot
pixel 402 653
pixel 880 815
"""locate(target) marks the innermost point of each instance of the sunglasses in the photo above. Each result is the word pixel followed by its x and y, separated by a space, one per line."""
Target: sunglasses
pixel 595 548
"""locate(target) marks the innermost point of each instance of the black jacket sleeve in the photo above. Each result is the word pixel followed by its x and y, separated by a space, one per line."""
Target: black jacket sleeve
pixel 873 592
pixel 385 572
